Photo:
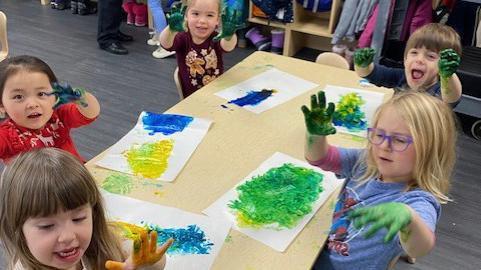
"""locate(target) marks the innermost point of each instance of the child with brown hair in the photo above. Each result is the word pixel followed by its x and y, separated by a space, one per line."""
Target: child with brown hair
pixel 431 55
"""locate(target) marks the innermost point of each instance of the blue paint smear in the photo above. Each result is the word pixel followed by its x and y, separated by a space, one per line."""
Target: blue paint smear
pixel 190 240
pixel 253 97
pixel 166 124
pixel 351 123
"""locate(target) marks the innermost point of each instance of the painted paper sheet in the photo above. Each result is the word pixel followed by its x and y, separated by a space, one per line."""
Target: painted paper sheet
pixel 265 91
pixel 355 108
pixel 197 238
pixel 276 201
pixel 157 147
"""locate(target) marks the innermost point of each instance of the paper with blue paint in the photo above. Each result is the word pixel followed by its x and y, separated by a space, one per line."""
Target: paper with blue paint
pixel 158 146
pixel 265 91
pixel 273 235
pixel 355 108
pixel 199 238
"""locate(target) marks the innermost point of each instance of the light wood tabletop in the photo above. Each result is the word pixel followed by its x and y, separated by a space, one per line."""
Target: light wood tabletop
pixel 237 143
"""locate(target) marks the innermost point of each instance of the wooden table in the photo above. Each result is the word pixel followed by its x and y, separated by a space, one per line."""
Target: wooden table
pixel 236 144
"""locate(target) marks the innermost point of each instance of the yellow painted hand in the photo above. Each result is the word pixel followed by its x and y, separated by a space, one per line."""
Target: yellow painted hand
pixel 144 253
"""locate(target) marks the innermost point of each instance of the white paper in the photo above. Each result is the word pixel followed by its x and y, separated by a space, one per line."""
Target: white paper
pixel 185 143
pixel 121 208
pixel 276 239
pixel 372 101
pixel 286 85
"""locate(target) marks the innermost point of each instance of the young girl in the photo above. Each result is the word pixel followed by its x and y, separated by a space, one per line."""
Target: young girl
pixel 432 53
pixel 28 101
pixel 391 200
pixel 58 220
pixel 199 50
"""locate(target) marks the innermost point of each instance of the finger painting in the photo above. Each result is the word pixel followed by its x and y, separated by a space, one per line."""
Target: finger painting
pixel 265 91
pixel 157 147
pixel 355 108
pixel 276 201
pixel 197 238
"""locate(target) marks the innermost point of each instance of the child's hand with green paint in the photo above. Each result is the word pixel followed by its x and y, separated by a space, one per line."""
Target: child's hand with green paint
pixel 144 253
pixel 66 94
pixel 230 19
pixel 175 18
pixel 319 119
pixel 393 216
pixel 363 57
pixel 448 63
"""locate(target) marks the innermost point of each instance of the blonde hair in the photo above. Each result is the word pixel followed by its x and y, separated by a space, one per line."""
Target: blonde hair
pixel 435 37
pixel 433 128
pixel 41 183
pixel 189 3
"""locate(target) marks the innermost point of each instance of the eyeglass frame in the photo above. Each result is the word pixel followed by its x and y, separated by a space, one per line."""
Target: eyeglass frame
pixel 389 138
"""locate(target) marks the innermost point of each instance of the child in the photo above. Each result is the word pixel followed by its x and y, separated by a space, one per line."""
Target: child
pixel 26 98
pixel 199 50
pixel 431 50
pixel 390 203
pixel 58 220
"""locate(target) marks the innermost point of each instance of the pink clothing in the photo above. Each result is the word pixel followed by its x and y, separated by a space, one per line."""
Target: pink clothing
pixel 331 162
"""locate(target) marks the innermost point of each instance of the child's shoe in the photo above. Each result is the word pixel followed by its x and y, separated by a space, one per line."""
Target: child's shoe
pixel 61 4
pixel 74 6
pixel 140 12
pixel 339 49
pixel 53 5
pixel 277 45
pixel 162 53
pixel 261 42
pixel 154 39
pixel 128 8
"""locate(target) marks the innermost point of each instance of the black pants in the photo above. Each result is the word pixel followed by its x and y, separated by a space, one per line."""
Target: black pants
pixel 109 19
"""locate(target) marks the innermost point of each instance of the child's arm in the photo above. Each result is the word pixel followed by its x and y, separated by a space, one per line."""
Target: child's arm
pixel 87 104
pixel 451 88
pixel 176 24
pixel 227 36
pixel 319 124
pixel 363 61
pixel 145 254
pixel 416 238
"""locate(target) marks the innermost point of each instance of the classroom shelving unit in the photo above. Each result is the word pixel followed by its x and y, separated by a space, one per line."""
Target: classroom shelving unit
pixel 309 29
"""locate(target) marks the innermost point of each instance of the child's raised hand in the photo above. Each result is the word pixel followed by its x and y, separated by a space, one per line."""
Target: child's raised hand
pixel 230 19
pixel 393 216
pixel 448 63
pixel 318 118
pixel 66 94
pixel 144 253
pixel 175 18
pixel 363 57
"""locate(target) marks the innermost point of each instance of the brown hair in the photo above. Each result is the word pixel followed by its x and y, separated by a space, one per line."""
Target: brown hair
pixel 435 37
pixel 41 183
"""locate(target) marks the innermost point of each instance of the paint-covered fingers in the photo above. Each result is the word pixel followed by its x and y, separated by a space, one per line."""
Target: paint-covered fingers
pixel 175 18
pixel 66 94
pixel 163 249
pixel 448 63
pixel 148 253
pixel 363 57
pixel 319 118
pixel 113 265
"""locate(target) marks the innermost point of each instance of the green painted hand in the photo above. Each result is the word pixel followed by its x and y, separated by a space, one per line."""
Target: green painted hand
pixel 363 57
pixel 393 216
pixel 319 119
pixel 448 63
pixel 230 19
pixel 176 18
pixel 144 253
pixel 66 94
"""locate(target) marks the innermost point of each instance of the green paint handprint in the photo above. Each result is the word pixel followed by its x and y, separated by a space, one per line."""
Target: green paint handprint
pixel 319 119
pixel 363 57
pixel 66 94
pixel 230 19
pixel 393 216
pixel 176 18
pixel 448 63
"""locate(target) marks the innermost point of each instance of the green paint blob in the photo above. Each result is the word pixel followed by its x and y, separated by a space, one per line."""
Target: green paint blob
pixel 151 159
pixel 280 197
pixel 118 183
pixel 349 114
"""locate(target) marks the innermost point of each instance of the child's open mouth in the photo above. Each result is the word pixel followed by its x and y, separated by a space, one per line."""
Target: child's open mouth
pixel 68 255
pixel 34 115
pixel 417 74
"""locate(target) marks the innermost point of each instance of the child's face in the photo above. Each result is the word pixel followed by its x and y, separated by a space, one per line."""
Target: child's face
pixel 25 99
pixel 394 166
pixel 202 19
pixel 421 67
pixel 60 240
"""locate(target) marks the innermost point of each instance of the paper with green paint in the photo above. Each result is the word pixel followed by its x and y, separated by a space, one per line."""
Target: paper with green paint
pixel 276 201
pixel 157 147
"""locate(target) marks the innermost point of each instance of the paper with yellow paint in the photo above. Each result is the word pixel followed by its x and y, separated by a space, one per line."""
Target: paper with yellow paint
pixel 157 147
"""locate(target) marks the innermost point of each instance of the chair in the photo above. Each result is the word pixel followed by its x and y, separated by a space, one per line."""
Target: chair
pixel 3 36
pixel 332 59
pixel 177 83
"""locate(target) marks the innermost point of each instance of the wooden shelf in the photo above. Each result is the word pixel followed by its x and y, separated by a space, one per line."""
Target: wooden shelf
pixel 263 21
